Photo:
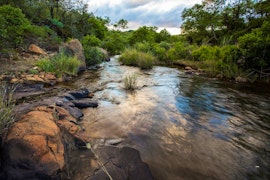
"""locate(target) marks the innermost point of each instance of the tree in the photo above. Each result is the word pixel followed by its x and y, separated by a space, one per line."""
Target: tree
pixel 203 20
pixel 143 34
pixel 121 24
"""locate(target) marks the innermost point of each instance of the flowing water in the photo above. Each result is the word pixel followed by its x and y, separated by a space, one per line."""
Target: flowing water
pixel 185 127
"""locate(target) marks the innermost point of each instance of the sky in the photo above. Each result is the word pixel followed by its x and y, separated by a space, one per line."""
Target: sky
pixel 159 13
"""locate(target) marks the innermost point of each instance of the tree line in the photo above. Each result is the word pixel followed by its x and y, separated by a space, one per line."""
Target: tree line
pixel 228 38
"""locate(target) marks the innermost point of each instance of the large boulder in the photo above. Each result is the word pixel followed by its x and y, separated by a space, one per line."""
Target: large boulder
pixel 75 48
pixel 105 53
pixel 33 147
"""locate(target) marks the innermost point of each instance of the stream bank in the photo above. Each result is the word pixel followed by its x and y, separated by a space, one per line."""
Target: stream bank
pixel 42 143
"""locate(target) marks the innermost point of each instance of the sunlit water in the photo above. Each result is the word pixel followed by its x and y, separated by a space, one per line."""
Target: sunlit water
pixel 185 127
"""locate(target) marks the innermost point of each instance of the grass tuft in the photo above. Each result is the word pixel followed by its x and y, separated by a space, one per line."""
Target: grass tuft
pixel 6 107
pixel 130 82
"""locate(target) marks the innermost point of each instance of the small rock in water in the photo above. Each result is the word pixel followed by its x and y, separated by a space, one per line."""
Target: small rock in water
pixel 114 141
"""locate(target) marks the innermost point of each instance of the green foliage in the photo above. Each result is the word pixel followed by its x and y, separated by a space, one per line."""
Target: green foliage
pixel 90 40
pixel 57 23
pixel 206 53
pixel 33 71
pixel 115 42
pixel 143 46
pixel 143 34
pixel 130 82
pixel 60 64
pixel 13 26
pixel 45 64
pixel 93 56
pixel 256 46
pixel 133 57
pixel 6 107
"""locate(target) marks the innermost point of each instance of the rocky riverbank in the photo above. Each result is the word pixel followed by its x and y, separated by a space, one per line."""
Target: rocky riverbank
pixel 40 142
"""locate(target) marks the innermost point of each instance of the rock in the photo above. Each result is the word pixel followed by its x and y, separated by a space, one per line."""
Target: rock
pixel 35 49
pixel 122 163
pixel 83 93
pixel 14 81
pixel 75 48
pixel 74 111
pixel 68 96
pixel 84 103
pixel 34 143
pixel 114 141
pixel 188 68
pixel 105 53
pixel 241 79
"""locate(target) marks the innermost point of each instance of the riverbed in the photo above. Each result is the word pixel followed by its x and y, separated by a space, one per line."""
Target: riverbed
pixel 185 126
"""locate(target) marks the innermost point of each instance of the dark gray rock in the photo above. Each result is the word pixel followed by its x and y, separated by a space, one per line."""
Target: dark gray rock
pixel 122 164
pixel 84 103
pixel 74 111
pixel 68 96
pixel 83 93
pixel 20 165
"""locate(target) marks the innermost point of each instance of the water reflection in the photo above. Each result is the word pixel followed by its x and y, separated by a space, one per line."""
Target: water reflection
pixel 185 127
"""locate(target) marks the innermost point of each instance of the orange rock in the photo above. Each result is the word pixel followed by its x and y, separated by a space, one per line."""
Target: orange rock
pixel 38 130
pixel 35 49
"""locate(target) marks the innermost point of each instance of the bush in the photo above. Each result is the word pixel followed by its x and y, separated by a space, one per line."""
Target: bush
pixel 89 41
pixel 206 53
pixel 60 64
pixel 93 56
pixel 132 57
pixel 130 82
pixel 13 26
pixel 6 107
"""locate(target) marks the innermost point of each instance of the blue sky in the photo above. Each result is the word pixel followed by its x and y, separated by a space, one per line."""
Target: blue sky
pixel 160 13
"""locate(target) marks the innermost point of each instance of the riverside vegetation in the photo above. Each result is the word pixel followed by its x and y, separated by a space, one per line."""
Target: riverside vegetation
pixel 225 38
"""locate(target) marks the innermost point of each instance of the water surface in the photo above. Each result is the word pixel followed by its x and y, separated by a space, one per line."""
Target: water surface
pixel 185 127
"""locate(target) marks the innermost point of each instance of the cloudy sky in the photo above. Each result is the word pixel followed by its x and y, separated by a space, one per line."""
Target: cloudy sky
pixel 160 13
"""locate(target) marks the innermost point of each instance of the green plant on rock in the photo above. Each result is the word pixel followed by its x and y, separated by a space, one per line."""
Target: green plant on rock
pixel 6 107
pixel 130 81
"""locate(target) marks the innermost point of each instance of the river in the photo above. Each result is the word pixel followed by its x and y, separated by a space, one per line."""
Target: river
pixel 185 127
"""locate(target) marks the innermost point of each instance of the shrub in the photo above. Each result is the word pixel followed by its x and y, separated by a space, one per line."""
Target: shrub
pixel 45 65
pixel 146 60
pixel 93 56
pixel 6 107
pixel 143 47
pixel 130 82
pixel 60 64
pixel 205 53
pixel 89 41
pixel 132 57
pixel 13 26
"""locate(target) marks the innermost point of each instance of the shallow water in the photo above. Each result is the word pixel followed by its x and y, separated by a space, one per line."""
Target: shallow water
pixel 185 127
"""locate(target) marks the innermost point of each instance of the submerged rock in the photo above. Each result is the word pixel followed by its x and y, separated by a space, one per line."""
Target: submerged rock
pixel 122 163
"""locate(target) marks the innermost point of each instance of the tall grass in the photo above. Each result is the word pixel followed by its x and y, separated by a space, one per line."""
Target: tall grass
pixel 133 57
pixel 6 107
pixel 60 64
pixel 130 82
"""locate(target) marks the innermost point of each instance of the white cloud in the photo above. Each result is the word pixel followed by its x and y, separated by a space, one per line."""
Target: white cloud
pixel 160 13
